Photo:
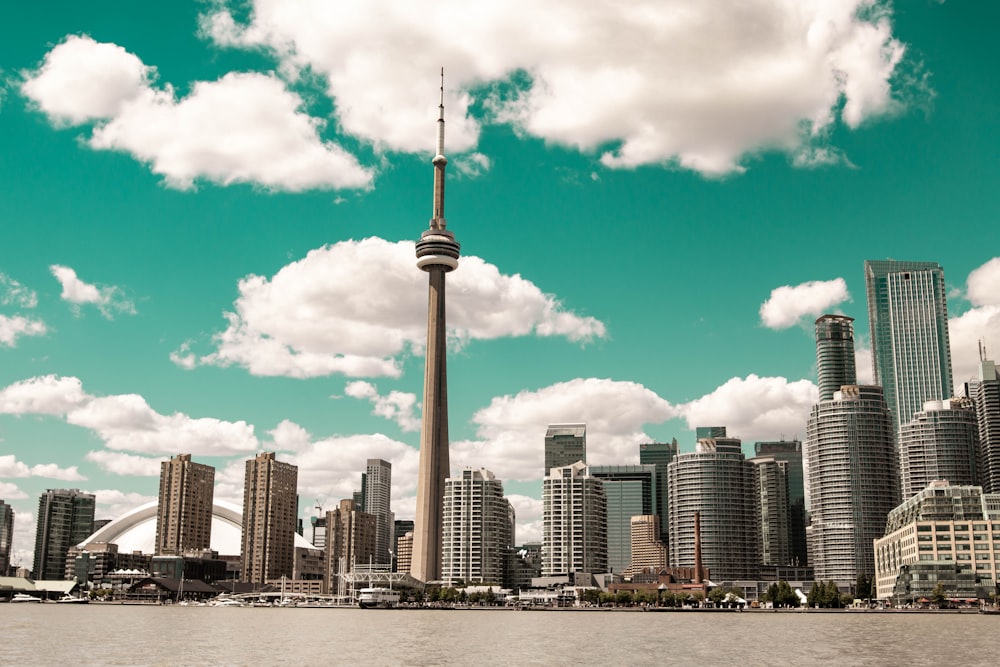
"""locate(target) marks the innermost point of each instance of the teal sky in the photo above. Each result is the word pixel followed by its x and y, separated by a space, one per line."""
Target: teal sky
pixel 186 191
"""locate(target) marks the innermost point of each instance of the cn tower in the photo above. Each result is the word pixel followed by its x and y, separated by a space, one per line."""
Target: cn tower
pixel 437 254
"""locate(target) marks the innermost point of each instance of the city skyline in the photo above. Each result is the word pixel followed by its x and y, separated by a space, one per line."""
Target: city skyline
pixel 158 298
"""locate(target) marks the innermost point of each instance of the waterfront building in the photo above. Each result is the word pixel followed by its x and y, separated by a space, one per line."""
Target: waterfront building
pixel 945 533
pixel 660 454
pixel 908 317
pixel 940 442
pixel 184 508
pixel 835 365
pixel 376 487
pixel 351 541
pixel 437 254
pixel 648 553
pixel 6 536
pixel 565 444
pixel 790 452
pixel 477 535
pixel 716 482
pixel 630 491
pixel 269 514
pixel 574 524
pixel 400 527
pixel 773 510
pixel 65 518
pixel 985 394
pixel 404 551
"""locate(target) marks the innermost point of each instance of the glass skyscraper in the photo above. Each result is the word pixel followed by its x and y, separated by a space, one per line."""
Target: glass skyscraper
pixel 565 444
pixel 65 519
pixel 631 491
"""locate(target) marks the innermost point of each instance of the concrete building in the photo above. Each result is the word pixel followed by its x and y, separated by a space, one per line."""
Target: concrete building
pixel 947 533
pixel 404 552
pixel 6 536
pixel 477 535
pixel 376 490
pixel 269 518
pixel 630 491
pixel 773 509
pixel 351 540
pixel 574 525
pixel 940 442
pixel 908 316
pixel 790 452
pixel 716 481
pixel 834 354
pixel 401 527
pixel 184 508
pixel 437 254
pixel 565 444
pixel 660 454
pixel 985 394
pixel 648 551
pixel 65 518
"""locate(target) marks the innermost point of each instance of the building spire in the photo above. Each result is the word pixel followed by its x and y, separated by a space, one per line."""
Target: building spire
pixel 439 162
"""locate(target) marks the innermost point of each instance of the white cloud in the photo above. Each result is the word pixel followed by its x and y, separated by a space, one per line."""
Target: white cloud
pixel 510 431
pixel 10 491
pixel 397 406
pixel 112 503
pixel 984 284
pixel 355 306
pixel 125 421
pixel 118 463
pixel 790 303
pixel 472 165
pixel 755 408
pixel 108 299
pixel 528 514
pixel 242 128
pixel 864 365
pixel 289 436
pixel 965 333
pixel 693 83
pixel 13 327
pixel 13 293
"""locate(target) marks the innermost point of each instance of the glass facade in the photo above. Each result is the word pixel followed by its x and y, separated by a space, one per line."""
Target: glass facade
pixel 938 443
pixel 65 519
pixel 631 491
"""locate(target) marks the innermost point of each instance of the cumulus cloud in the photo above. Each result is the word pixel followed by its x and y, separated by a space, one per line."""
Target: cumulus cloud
pixel 528 514
pixel 118 463
pixel 354 307
pixel 691 83
pixel 864 365
pixel 981 323
pixel 790 303
pixel 10 491
pixel 108 299
pixel 755 408
pixel 983 284
pixel 397 406
pixel 510 431
pixel 242 128
pixel 11 328
pixel 125 422
pixel 114 503
pixel 472 165
pixel 13 293
pixel 11 467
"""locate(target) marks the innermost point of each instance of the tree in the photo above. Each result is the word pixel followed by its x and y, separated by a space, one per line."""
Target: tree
pixel 863 588
pixel 624 597
pixel 717 595
pixel 938 595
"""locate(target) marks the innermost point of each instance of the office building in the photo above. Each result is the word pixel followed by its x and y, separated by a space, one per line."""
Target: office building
pixel 717 482
pixel 6 536
pixel 565 444
pixel 707 432
pixel 65 519
pixel 985 394
pixel 437 254
pixel 351 539
pixel 945 534
pixel 630 491
pixel 376 488
pixel 477 534
pixel 908 316
pixel 940 442
pixel 648 551
pixel 660 454
pixel 269 520
pixel 184 509
pixel 404 551
pixel 574 525
pixel 400 527
pixel 789 452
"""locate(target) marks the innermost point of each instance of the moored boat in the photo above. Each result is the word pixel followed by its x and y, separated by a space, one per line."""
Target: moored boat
pixel 378 598
pixel 70 599
pixel 24 597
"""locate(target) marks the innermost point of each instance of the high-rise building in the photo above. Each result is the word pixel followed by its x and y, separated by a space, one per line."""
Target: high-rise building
pixel 648 550
pixel 790 451
pixel 6 536
pixel 565 444
pixel 401 527
pixel 716 481
pixel 437 254
pixel 351 539
pixel 630 491
pixel 184 510
pixel 477 534
pixel 773 510
pixel 376 487
pixel 835 364
pixel 660 454
pixel 985 395
pixel 269 507
pixel 908 316
pixel 65 519
pixel 574 524
pixel 706 432
pixel 938 443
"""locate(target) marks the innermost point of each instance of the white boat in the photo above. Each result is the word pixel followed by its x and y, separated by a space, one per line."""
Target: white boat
pixel 24 597
pixel 69 599
pixel 227 602
pixel 378 598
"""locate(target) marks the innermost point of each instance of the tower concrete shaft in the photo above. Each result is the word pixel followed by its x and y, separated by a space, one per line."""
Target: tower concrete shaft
pixel 437 254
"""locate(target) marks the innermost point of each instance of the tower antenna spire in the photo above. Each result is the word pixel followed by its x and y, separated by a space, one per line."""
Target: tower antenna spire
pixel 439 162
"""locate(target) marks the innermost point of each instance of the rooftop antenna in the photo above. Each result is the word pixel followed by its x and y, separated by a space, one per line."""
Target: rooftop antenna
pixel 439 162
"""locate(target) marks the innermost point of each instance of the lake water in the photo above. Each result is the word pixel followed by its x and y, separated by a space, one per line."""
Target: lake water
pixel 51 634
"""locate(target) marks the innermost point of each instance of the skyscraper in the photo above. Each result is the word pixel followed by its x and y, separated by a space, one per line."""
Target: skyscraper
pixel 184 510
pixel 574 524
pixel 938 443
pixel 790 451
pixel 834 354
pixel 660 454
pixel 65 519
pixel 630 491
pixel 6 536
pixel 351 537
pixel 376 490
pixel 773 510
pixel 908 316
pixel 565 444
pixel 648 550
pixel 716 481
pixel 985 394
pixel 437 254
pixel 269 507
pixel 477 534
